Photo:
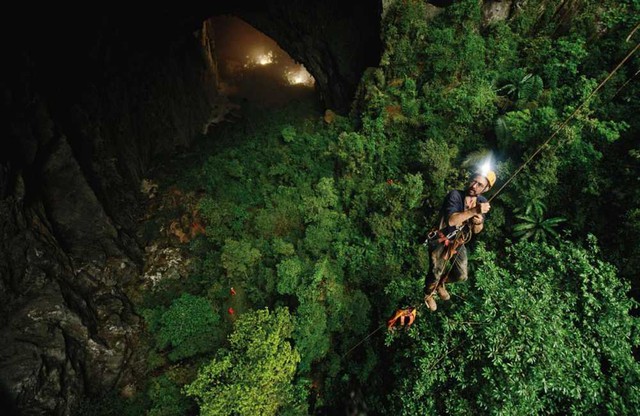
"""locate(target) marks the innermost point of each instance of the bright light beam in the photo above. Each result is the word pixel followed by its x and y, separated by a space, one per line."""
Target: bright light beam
pixel 486 167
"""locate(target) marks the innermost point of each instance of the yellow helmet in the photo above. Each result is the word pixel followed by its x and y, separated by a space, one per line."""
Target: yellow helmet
pixel 491 177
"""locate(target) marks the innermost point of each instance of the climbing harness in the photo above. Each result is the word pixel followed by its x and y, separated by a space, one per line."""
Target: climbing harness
pixel 451 242
pixel 461 234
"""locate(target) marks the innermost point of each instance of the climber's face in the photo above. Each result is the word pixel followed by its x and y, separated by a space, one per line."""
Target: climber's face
pixel 477 185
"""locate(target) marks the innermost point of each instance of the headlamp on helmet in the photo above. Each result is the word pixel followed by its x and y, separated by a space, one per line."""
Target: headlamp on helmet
pixel 486 172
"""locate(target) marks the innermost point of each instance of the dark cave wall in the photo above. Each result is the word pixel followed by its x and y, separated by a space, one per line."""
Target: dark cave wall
pixel 91 104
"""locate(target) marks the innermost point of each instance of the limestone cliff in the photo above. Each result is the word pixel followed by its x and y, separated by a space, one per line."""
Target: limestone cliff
pixel 89 107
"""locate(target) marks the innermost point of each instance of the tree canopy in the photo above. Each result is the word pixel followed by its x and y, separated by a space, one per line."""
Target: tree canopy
pixel 319 227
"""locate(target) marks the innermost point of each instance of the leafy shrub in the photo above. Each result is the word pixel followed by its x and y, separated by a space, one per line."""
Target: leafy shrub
pixel 189 327
pixel 254 376
pixel 166 398
pixel 540 330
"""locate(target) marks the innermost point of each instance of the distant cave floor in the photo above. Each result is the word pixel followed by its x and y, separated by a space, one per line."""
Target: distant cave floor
pixel 172 227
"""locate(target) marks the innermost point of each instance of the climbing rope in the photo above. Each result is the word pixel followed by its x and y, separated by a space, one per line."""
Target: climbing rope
pixel 364 339
pixel 523 165
pixel 565 122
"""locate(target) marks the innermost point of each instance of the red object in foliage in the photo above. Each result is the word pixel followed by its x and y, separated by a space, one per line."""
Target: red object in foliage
pixel 403 317
pixel 390 181
pixel 231 311
pixel 233 292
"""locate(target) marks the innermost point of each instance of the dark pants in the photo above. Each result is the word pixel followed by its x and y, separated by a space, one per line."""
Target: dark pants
pixel 442 271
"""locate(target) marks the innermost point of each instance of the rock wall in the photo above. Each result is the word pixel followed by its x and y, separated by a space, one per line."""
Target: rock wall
pixel 89 104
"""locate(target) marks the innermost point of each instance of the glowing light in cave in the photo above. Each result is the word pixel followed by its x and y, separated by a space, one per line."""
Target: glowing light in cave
pixel 265 59
pixel 260 58
pixel 253 67
pixel 299 76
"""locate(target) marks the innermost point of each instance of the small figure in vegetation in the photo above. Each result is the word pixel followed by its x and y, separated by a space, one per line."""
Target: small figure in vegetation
pixel 462 215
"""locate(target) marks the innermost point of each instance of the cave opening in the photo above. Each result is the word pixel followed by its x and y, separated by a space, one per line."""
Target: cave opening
pixel 253 69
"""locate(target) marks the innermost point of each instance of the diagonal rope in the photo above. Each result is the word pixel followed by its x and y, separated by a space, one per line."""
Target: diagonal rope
pixel 363 340
pixel 566 121
pixel 632 32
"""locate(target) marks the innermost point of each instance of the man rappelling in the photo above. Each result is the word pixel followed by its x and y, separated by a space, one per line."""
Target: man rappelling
pixel 462 216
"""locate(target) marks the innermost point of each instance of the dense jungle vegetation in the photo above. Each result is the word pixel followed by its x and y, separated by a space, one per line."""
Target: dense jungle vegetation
pixel 318 228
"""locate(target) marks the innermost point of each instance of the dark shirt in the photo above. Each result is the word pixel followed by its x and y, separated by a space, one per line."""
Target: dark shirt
pixel 454 202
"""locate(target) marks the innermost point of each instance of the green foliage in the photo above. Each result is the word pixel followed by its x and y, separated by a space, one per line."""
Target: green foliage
pixel 281 216
pixel 528 88
pixel 289 275
pixel 437 157
pixel 166 398
pixel 541 330
pixel 327 219
pixel 311 331
pixel 533 224
pixel 564 60
pixel 189 327
pixel 289 134
pixel 254 376
pixel 239 258
pixel 355 152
